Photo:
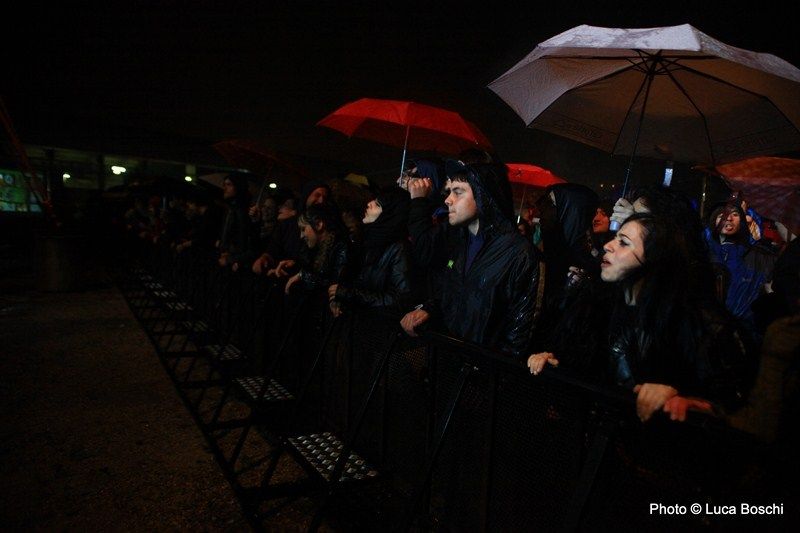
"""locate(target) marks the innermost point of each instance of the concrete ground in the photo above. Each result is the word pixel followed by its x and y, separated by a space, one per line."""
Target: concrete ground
pixel 93 435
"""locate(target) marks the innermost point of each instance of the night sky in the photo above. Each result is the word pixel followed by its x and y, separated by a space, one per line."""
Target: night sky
pixel 170 81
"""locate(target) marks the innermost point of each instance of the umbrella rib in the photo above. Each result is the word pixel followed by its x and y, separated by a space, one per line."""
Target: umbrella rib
pixel 627 114
pixel 699 112
pixel 633 66
pixel 729 84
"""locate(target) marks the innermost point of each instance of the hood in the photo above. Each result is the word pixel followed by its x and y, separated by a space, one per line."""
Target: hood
pixel 566 237
pixel 742 236
pixel 488 187
pixel 392 224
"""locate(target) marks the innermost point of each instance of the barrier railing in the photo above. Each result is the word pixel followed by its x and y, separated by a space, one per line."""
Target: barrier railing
pixel 448 434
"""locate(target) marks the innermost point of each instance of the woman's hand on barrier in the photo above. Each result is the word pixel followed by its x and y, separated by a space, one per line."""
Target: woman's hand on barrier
pixel 260 264
pixel 235 267
pixel 290 283
pixel 413 319
pixel 651 397
pixel 677 406
pixel 537 361
pixel 282 270
pixel 332 292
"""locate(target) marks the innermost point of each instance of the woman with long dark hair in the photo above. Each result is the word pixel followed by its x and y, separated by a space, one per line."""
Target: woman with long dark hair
pixel 644 331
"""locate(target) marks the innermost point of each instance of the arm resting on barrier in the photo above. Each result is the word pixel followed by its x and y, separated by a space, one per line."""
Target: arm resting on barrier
pixel 651 397
pixel 412 320
pixel 537 361
pixel 678 406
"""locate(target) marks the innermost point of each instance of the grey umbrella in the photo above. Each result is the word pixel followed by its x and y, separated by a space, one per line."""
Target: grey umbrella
pixel 671 93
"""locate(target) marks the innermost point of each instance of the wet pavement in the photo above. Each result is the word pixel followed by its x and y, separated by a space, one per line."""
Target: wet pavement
pixel 93 435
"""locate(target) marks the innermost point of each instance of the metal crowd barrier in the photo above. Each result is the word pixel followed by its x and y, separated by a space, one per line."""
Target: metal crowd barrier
pixel 435 433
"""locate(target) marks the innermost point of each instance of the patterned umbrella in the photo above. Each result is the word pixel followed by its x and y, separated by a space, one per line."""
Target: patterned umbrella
pixel 771 185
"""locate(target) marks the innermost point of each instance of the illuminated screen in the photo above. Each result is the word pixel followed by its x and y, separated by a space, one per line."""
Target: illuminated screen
pixel 15 196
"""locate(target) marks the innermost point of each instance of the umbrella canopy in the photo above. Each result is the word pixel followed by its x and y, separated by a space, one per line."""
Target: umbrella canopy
pixel 254 156
pixel 406 125
pixel 771 185
pixel 670 93
pixel 531 175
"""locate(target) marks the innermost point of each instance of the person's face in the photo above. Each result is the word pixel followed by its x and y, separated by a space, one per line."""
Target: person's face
pixel 732 223
pixel 308 235
pixel 461 206
pixel 372 213
pixel 624 253
pixel 600 222
pixel 228 189
pixel 530 214
pixel 317 196
pixel 286 210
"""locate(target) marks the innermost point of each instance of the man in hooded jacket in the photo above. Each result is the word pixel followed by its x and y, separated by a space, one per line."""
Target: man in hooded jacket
pixel 485 274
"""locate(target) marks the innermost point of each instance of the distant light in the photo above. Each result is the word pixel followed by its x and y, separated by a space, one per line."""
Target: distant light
pixel 601 185
pixel 66 176
pixel 273 185
pixel 188 178
pixel 118 170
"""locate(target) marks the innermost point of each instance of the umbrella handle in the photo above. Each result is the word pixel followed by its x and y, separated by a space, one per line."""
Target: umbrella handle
pixel 405 146
pixel 522 203
pixel 649 82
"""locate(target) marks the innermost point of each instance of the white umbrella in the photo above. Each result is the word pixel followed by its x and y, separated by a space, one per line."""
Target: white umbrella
pixel 671 93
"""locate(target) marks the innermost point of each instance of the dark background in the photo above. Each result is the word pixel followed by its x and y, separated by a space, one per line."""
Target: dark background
pixel 169 79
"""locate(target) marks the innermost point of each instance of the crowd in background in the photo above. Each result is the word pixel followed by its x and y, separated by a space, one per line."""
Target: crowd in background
pixel 681 312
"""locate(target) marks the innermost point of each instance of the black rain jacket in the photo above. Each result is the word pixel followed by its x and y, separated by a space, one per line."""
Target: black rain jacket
pixel 493 302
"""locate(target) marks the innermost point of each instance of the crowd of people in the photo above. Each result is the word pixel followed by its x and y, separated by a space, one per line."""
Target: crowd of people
pixel 669 308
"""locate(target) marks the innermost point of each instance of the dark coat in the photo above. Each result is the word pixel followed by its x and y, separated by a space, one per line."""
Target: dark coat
pixel 383 280
pixel 492 303
pixel 321 272
pixel 237 237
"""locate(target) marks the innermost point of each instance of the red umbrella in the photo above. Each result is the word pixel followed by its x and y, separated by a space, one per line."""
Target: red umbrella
pixel 406 124
pixel 771 186
pixel 530 175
